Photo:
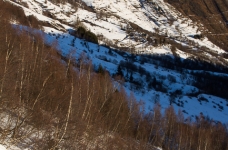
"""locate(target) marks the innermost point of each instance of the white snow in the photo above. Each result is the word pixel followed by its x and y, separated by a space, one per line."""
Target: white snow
pixel 2 147
pixel 88 2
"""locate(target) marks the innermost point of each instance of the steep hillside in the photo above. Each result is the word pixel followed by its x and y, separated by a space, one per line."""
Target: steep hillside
pixel 213 14
pixel 49 101
pixel 118 74
pixel 161 53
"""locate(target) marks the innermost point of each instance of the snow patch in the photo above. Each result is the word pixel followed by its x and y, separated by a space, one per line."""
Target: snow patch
pixel 88 2
pixel 2 147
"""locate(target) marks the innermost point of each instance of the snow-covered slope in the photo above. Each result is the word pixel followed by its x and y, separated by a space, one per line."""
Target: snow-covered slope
pixel 130 24
pixel 2 147
pixel 113 19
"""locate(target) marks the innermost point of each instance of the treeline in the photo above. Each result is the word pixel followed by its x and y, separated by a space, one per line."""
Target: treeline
pixel 201 73
pixel 211 84
pixel 81 32
pixel 172 132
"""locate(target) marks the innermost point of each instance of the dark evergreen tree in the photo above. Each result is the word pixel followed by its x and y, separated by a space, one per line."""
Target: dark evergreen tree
pixel 119 71
pixel 154 82
pixel 101 70
pixel 131 77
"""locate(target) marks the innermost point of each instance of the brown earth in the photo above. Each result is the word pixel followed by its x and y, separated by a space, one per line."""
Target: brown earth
pixel 213 14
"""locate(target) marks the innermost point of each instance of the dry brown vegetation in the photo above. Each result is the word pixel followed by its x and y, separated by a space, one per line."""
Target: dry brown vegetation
pixel 213 14
pixel 54 98
pixel 13 13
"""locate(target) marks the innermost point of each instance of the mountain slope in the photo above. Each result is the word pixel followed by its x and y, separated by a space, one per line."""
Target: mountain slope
pixel 211 13
pixel 150 28
pixel 55 99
